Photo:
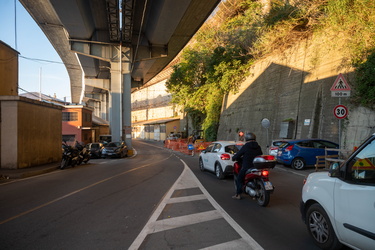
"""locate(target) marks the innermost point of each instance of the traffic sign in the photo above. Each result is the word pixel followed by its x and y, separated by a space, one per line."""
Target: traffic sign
pixel 340 87
pixel 340 111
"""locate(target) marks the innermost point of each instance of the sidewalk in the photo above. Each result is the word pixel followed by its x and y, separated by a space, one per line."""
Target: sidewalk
pixel 6 174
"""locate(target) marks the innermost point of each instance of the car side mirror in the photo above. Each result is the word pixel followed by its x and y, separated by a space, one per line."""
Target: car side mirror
pixel 334 170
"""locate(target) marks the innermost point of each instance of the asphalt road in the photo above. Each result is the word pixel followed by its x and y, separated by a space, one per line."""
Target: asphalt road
pixel 137 203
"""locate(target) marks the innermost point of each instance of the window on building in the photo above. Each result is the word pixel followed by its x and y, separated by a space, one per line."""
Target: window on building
pixel 87 117
pixel 163 128
pixel 69 116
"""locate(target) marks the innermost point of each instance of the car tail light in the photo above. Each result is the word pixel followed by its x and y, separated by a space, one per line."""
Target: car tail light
pixel 289 148
pixel 264 172
pixel 225 156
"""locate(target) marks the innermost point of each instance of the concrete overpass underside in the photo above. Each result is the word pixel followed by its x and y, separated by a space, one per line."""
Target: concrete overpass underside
pixel 112 47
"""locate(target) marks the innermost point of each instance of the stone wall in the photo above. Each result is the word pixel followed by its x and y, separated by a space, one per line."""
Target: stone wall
pixel 295 86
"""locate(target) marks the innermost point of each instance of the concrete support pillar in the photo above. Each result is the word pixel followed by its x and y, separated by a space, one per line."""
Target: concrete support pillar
pixel 126 98
pixel 115 101
pixel 104 106
pixel 126 114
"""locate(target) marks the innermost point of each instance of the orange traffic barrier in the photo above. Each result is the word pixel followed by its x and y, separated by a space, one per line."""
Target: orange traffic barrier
pixel 184 147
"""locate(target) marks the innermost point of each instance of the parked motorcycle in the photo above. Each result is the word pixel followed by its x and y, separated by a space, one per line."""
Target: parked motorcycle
pixel 84 155
pixel 256 182
pixel 70 156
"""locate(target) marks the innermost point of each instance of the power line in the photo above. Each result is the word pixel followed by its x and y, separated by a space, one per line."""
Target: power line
pixel 40 60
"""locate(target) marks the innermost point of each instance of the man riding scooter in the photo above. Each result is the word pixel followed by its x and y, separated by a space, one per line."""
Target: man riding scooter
pixel 246 154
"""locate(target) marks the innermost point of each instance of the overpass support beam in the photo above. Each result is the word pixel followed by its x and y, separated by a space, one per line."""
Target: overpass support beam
pixel 115 101
pixel 126 97
pixel 120 85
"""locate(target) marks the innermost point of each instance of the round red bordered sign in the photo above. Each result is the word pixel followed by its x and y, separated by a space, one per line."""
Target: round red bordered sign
pixel 340 111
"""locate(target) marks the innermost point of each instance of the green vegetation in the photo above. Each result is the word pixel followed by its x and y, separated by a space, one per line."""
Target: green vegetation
pixel 242 31
pixel 365 83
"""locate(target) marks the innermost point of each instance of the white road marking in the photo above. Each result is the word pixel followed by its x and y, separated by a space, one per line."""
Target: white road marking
pixel 187 180
pixel 166 224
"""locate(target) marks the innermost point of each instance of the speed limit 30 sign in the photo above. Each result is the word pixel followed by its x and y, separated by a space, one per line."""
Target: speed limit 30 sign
pixel 340 111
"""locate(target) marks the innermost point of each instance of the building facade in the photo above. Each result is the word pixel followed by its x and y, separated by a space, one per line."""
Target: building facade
pixel 77 124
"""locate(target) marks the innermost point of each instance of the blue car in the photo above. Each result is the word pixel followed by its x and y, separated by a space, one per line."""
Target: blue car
pixel 301 153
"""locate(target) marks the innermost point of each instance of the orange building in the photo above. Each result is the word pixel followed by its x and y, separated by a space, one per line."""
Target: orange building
pixel 77 124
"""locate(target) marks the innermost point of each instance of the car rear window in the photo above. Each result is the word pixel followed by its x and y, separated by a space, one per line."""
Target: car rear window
pixel 232 149
pixel 277 143
pixel 284 144
pixel 328 144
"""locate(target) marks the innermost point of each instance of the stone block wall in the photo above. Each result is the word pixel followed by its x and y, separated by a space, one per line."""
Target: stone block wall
pixel 295 86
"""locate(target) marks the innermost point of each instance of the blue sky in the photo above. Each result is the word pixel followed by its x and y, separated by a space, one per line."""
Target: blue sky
pixel 33 44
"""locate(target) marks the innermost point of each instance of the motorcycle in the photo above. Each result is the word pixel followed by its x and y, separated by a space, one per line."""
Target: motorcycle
pixel 84 155
pixel 70 156
pixel 256 182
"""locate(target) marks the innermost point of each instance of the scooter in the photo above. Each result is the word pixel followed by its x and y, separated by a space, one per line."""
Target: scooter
pixel 256 182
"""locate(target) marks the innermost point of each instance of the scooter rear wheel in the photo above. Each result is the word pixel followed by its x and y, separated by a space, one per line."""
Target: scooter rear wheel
pixel 263 196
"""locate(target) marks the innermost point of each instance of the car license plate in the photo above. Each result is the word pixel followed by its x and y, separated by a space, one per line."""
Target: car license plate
pixel 268 185
pixel 109 153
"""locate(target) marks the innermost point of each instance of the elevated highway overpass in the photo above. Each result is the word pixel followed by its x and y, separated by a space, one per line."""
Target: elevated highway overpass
pixel 111 47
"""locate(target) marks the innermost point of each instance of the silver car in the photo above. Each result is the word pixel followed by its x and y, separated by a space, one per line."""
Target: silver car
pixel 217 157
pixel 115 149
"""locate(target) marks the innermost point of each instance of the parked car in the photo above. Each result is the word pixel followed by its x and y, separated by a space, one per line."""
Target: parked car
pixel 217 157
pixel 303 152
pixel 95 149
pixel 274 148
pixel 338 206
pixel 115 149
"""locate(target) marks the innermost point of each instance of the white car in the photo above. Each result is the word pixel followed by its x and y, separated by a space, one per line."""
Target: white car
pixel 274 148
pixel 338 206
pixel 217 157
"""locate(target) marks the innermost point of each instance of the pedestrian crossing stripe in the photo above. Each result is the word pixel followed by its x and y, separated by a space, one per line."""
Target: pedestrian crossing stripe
pixel 340 84
pixel 363 164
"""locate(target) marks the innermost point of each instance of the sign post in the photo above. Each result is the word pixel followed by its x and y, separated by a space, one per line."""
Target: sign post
pixel 266 124
pixel 340 88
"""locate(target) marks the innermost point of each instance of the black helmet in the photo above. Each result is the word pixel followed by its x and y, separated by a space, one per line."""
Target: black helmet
pixel 250 136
